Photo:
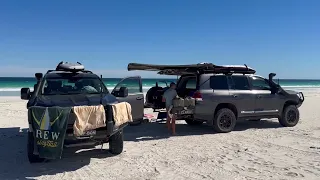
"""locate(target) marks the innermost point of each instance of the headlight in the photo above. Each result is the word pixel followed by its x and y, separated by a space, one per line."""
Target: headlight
pixel 300 96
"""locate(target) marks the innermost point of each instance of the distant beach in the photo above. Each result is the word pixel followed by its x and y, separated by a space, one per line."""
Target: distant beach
pixel 10 86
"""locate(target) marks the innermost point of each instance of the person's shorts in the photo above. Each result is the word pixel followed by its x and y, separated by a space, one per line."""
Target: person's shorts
pixel 169 110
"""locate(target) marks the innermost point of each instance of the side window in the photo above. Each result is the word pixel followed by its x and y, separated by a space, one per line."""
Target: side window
pixel 260 84
pixel 133 85
pixel 191 83
pixel 239 83
pixel 187 82
pixel 219 82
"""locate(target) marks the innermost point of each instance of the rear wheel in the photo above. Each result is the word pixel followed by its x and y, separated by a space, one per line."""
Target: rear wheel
pixel 32 157
pixel 192 122
pixel 224 121
pixel 290 116
pixel 116 143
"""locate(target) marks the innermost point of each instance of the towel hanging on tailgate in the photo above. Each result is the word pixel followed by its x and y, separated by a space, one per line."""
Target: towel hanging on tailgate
pixel 121 113
pixel 88 118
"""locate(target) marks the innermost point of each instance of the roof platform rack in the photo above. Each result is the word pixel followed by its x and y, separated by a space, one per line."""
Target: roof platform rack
pixel 201 68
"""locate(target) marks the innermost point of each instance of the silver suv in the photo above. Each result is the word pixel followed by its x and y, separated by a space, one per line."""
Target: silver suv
pixel 225 94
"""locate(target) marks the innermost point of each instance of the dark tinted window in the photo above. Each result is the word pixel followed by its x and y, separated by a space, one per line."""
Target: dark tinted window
pixel 239 83
pixel 219 82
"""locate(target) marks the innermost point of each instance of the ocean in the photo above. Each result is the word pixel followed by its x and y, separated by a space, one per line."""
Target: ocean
pixel 10 86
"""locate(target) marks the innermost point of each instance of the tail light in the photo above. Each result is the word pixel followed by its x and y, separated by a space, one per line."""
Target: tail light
pixel 197 95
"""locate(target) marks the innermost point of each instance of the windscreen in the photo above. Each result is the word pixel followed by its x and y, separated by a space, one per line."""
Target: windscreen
pixel 72 85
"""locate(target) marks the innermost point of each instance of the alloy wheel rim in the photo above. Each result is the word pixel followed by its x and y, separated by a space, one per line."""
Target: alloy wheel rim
pixel 225 121
pixel 291 116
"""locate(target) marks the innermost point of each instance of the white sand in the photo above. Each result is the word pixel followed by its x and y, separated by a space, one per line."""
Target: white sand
pixel 255 150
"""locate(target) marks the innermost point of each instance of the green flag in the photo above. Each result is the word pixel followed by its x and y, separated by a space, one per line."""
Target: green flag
pixel 49 129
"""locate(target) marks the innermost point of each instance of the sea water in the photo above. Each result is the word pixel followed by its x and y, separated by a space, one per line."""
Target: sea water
pixel 10 86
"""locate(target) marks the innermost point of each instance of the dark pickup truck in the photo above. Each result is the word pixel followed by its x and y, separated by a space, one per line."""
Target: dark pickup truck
pixel 68 87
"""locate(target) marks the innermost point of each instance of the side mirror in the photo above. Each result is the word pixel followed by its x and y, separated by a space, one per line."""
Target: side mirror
pixel 25 93
pixel 123 92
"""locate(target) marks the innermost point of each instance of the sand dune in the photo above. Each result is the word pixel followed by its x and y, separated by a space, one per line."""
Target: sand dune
pixel 254 150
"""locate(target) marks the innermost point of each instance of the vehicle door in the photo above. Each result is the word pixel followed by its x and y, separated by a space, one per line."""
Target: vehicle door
pixel 135 95
pixel 214 90
pixel 266 104
pixel 241 95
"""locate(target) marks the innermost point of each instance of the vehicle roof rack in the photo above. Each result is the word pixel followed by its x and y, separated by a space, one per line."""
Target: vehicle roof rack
pixel 203 68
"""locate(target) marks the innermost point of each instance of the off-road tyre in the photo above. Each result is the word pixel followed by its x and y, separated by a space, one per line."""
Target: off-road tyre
pixel 192 122
pixel 116 143
pixel 224 121
pixel 30 147
pixel 290 116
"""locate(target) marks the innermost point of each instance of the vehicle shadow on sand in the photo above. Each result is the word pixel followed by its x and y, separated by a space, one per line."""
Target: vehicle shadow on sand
pixel 157 129
pixel 15 165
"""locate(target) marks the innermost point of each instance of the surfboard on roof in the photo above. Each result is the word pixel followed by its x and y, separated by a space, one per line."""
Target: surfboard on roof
pixel 191 68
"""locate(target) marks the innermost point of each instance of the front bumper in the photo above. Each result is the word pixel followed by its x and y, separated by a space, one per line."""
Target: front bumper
pixel 301 99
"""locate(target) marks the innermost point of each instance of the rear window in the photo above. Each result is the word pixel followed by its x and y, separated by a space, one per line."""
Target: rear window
pixel 219 82
pixel 239 83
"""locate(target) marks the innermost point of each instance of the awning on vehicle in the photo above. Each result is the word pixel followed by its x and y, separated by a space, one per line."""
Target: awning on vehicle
pixel 191 68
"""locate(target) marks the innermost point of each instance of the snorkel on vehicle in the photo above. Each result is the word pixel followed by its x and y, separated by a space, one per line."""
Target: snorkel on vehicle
pixel 276 88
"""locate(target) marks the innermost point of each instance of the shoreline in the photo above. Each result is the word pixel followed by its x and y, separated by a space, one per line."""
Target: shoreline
pixel 8 92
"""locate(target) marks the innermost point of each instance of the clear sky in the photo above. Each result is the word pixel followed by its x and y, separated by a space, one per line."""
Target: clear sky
pixel 281 36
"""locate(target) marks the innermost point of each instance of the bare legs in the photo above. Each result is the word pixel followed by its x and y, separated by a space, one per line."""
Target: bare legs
pixel 168 122
pixel 173 125
pixel 171 122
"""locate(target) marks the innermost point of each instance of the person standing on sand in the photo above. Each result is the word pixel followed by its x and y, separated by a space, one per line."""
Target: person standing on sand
pixel 168 97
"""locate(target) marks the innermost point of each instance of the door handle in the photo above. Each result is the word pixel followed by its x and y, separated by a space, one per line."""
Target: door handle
pixel 139 98
pixel 259 96
pixel 234 96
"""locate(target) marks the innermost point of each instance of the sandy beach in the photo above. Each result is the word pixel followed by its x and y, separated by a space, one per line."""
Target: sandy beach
pixel 254 150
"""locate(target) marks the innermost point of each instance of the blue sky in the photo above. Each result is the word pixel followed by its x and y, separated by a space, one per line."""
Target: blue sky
pixel 270 36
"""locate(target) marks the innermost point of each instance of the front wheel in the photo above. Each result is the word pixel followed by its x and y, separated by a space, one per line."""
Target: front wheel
pixel 193 122
pixel 224 121
pixel 32 157
pixel 290 116
pixel 116 143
